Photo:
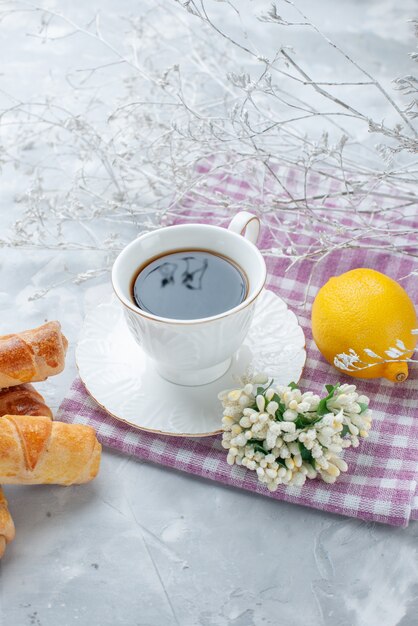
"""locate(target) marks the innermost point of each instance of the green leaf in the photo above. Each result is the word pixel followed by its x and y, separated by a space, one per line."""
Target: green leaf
pixel 293 386
pixel 262 390
pixel 257 445
pixel 345 430
pixel 303 420
pixel 305 453
pixel 322 406
pixel 363 407
pixel 282 408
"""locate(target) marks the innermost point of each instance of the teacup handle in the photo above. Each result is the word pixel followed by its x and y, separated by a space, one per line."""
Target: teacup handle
pixel 247 225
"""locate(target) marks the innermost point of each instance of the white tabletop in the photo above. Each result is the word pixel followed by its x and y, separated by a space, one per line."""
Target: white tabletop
pixel 142 545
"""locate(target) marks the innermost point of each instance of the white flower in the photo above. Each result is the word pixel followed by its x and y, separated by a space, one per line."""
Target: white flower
pixel 333 470
pixel 269 394
pixel 289 462
pixel 245 422
pixel 264 441
pixel 328 478
pixel 270 440
pixel 260 402
pixel 324 440
pixel 327 431
pixel 346 361
pixel 272 407
pixel 275 427
pixel 310 472
pixel 234 395
pixel 290 415
pixel 290 436
pixel 298 479
pixel 233 411
pixel 245 400
pixel 294 448
pixel 297 460
pixel 316 451
pixel 260 379
pixel 364 400
pixel 284 452
pixel 271 473
pixel 393 353
pixel 240 440
pixel 227 421
pixel 287 427
pixel 282 472
pixel 346 388
pixel 340 463
pixel 321 463
pixel 371 353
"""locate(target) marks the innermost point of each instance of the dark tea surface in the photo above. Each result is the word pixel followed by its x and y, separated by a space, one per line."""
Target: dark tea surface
pixel 189 284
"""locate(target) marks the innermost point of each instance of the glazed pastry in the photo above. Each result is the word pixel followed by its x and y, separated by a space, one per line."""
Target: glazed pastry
pixel 36 450
pixel 32 355
pixel 23 400
pixel 7 528
pixel 19 400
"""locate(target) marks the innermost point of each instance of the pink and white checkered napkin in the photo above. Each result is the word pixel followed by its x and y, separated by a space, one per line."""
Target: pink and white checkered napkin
pixel 381 483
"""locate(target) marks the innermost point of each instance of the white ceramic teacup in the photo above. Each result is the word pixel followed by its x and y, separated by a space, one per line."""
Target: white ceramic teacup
pixel 197 351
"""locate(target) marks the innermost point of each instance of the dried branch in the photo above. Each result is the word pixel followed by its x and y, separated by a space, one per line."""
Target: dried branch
pixel 188 113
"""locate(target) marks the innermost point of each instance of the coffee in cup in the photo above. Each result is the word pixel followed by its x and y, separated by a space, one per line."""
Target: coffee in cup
pixel 189 284
pixel 191 342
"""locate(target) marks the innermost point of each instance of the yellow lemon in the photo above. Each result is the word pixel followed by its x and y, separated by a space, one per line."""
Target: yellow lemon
pixel 362 322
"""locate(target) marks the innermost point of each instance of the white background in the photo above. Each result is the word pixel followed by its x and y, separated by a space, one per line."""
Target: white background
pixel 142 545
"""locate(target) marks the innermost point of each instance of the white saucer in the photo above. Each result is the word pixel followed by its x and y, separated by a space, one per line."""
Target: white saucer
pixel 122 379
